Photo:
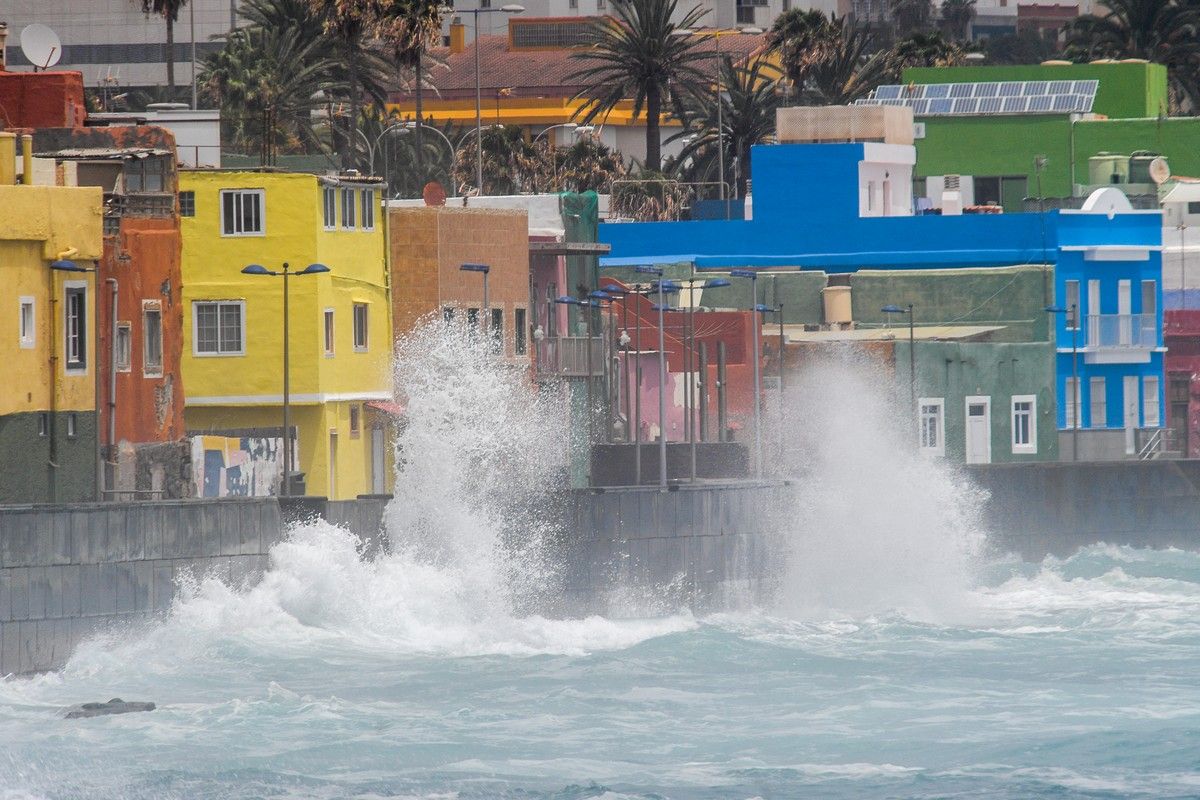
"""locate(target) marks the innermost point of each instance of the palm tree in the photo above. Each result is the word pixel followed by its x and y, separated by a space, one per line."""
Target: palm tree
pixel 169 11
pixel 348 22
pixel 642 55
pixel 956 17
pixel 1163 31
pixel 510 164
pixel 747 119
pixel 586 164
pixel 924 50
pixel 847 70
pixel 800 38
pixel 910 16
pixel 410 27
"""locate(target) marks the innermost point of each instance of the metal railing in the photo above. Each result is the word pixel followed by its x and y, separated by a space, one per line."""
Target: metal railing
pixel 143 204
pixel 568 356
pixel 1122 330
pixel 1153 443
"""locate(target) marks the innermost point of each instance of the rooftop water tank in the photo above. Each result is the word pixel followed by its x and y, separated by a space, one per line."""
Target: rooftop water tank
pixel 1108 168
pixel 1139 166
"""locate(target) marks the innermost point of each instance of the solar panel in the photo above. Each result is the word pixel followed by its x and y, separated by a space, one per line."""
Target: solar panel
pixel 1060 87
pixel 1036 88
pixel 892 92
pixel 1011 89
pixel 961 89
pixel 965 105
pixel 1040 103
pixel 1086 87
pixel 920 107
pixel 937 90
pixel 990 105
pixel 1015 105
pixel 940 105
pixel 1063 102
pixel 987 89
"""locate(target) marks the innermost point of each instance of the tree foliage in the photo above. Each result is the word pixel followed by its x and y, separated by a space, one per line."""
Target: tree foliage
pixel 169 11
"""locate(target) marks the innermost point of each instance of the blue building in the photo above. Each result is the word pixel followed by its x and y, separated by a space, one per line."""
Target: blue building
pixel 848 206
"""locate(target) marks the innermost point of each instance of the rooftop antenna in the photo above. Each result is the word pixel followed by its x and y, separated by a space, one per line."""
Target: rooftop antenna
pixel 41 46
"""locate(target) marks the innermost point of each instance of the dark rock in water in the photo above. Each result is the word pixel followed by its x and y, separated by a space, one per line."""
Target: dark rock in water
pixel 114 706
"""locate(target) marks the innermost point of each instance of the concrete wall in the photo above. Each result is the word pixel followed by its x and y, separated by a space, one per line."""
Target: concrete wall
pixel 66 571
pixel 29 478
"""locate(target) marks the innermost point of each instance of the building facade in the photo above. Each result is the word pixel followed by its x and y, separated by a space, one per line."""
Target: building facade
pixel 48 252
pixel 339 329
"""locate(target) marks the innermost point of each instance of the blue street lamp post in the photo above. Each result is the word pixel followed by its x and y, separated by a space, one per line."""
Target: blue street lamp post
pixel 1074 322
pixel 753 276
pixel 311 269
pixel 692 395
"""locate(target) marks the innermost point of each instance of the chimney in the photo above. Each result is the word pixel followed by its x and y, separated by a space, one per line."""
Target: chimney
pixel 458 36
pixel 3 46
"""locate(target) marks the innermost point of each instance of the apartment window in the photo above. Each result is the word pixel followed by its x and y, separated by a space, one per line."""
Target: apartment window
pixel 329 203
pixel 187 204
pixel 25 323
pixel 43 424
pixel 355 421
pixel 360 327
pixel 72 426
pixel 1098 400
pixel 473 319
pixel 496 330
pixel 447 314
pixel 243 212
pixel 75 323
pixel 147 174
pixel 1149 297
pixel 329 331
pixel 1193 208
pixel 152 339
pixel 368 209
pixel 218 328
pixel 1072 304
pixel 931 418
pixel 570 3
pixel 745 15
pixel 1024 423
pixel 122 346
pixel 520 332
pixel 348 209
pixel 1070 401
pixel 1151 417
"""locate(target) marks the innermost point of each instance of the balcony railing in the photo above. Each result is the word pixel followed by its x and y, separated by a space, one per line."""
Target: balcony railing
pixel 568 356
pixel 1122 331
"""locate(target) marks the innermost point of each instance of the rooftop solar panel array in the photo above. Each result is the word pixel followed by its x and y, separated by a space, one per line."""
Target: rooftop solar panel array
pixel 996 97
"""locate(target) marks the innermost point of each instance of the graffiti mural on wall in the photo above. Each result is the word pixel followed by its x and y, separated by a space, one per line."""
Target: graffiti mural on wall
pixel 237 466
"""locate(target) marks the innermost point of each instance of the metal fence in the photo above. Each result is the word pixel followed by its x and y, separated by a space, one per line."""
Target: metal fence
pixel 568 356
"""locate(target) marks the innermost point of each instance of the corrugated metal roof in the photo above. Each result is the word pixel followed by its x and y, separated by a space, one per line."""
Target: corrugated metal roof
pixel 84 153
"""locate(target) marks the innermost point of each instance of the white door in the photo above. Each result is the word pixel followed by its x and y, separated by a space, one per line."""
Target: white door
pixel 1125 309
pixel 378 462
pixel 1129 400
pixel 979 430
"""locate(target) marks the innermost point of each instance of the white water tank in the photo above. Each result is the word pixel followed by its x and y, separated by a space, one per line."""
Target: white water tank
pixel 837 305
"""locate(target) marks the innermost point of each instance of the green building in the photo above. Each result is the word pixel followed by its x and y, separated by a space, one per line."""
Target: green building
pixel 996 153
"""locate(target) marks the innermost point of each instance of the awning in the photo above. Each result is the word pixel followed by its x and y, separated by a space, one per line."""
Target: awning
pixel 389 407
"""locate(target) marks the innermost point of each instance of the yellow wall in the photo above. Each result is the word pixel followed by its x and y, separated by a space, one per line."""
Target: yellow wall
pixel 244 391
pixel 521 111
pixel 42 222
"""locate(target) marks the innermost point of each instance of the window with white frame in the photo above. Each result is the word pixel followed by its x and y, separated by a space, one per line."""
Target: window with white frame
pixel 1151 416
pixel 368 209
pixel 243 212
pixel 26 323
pixel 1098 401
pixel 122 346
pixel 1070 402
pixel 72 426
pixel 218 327
pixel 931 418
pixel 329 204
pixel 152 339
pixel 1024 423
pixel 75 326
pixel 348 209
pixel 360 327
pixel 329 332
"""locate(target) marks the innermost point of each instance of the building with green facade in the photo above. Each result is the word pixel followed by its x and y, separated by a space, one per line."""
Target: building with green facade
pixel 997 153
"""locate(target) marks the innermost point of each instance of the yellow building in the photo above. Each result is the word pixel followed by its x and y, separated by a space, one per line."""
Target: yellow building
pixel 340 330
pixel 50 236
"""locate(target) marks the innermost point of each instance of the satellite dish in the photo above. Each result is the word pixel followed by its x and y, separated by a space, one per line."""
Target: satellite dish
pixel 1159 170
pixel 41 46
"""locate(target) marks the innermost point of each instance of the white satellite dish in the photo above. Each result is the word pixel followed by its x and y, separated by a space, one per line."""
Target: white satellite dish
pixel 1159 170
pixel 41 46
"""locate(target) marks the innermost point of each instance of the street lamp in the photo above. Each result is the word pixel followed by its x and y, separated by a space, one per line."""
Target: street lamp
pixel 311 269
pixel 1073 321
pixel 690 395
pixel 661 287
pixel 575 128
pixel 371 146
pixel 483 269
pixel 912 353
pixel 412 126
pixel 753 276
pixel 512 8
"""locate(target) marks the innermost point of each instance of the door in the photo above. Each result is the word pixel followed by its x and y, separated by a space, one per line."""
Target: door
pixel 378 462
pixel 979 430
pixel 333 454
pixel 1180 394
pixel 1129 401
